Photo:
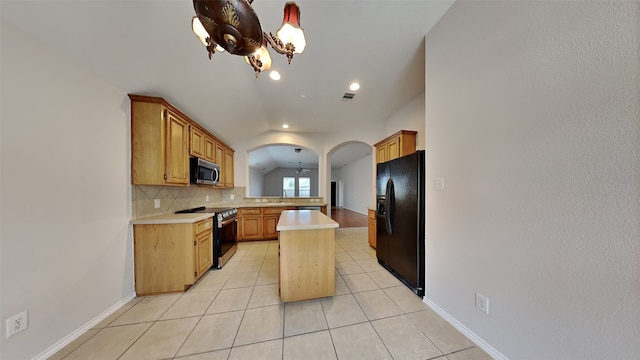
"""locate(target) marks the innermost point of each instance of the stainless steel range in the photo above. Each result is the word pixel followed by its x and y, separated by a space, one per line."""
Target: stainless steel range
pixel 225 232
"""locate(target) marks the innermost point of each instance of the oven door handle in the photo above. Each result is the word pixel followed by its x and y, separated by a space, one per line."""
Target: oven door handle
pixel 228 221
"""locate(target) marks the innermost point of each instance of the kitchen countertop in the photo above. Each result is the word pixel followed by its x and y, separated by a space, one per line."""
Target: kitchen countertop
pixel 304 220
pixel 195 217
pixel 282 204
pixel 171 219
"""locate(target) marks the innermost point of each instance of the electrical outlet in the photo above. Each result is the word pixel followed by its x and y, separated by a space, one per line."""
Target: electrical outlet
pixel 439 183
pixel 17 323
pixel 156 203
pixel 206 198
pixel 232 197
pixel 482 303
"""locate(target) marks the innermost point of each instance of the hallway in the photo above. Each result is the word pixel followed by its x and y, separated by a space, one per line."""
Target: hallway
pixel 347 218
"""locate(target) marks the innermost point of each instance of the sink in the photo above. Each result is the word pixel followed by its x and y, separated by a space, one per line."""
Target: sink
pixel 277 204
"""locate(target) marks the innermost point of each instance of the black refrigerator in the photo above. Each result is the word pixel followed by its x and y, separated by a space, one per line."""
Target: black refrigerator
pixel 400 219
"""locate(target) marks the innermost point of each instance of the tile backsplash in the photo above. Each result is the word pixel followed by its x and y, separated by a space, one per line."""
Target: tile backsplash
pixel 174 198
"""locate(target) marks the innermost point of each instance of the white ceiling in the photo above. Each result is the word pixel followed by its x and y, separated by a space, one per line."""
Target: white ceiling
pixel 147 47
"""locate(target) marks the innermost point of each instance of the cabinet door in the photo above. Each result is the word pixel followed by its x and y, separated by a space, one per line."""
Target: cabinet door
pixel 270 223
pixel 227 169
pixel 381 153
pixel 204 253
pixel 209 149
pixel 177 158
pixel 251 227
pixel 219 159
pixel 197 142
pixel 219 155
pixel 372 228
pixel 393 148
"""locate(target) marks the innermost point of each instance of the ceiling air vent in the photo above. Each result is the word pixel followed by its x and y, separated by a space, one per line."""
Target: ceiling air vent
pixel 348 96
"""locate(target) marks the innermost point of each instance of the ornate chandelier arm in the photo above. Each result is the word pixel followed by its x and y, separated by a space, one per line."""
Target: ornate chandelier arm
pixel 279 47
pixel 257 64
pixel 211 47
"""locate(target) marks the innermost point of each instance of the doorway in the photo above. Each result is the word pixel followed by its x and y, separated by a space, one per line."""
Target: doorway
pixel 333 194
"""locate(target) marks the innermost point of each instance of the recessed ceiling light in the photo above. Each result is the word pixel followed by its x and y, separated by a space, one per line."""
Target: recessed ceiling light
pixel 274 75
pixel 354 86
pixel 285 126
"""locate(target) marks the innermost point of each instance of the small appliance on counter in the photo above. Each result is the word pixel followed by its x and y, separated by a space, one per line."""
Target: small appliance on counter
pixel 225 232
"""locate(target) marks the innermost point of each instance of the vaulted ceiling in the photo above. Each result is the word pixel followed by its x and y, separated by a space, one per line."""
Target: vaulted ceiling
pixel 147 47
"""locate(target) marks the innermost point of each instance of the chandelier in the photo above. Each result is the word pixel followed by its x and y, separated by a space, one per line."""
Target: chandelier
pixel 233 25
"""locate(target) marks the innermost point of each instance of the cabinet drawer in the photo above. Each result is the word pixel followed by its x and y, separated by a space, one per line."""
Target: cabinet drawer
pixel 250 211
pixel 271 211
pixel 204 225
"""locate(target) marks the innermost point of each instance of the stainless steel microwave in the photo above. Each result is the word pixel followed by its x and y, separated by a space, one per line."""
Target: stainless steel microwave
pixel 204 172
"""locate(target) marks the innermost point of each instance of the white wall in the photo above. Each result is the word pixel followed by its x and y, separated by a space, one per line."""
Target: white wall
pixel 410 117
pixel 256 183
pixel 357 183
pixel 532 117
pixel 66 247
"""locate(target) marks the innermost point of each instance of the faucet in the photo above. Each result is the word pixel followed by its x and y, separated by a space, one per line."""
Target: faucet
pixel 284 194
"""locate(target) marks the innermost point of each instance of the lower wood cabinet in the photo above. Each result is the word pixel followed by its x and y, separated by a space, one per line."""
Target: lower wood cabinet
pixel 250 224
pixel 171 257
pixel 259 223
pixel 372 228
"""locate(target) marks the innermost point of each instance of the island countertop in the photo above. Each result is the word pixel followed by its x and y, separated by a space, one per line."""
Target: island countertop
pixel 304 220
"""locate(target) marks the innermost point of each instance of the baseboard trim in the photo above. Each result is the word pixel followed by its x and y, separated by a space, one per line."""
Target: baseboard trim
pixel 77 333
pixel 493 352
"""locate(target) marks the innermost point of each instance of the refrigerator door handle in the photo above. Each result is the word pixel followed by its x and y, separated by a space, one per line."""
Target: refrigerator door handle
pixel 390 198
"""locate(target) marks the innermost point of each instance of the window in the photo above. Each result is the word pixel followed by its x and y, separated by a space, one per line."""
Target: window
pixel 304 186
pixel 289 186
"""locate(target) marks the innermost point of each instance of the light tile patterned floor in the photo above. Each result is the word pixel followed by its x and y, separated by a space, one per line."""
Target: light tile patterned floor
pixel 236 313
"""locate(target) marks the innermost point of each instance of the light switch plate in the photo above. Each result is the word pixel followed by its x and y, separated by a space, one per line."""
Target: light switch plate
pixel 439 183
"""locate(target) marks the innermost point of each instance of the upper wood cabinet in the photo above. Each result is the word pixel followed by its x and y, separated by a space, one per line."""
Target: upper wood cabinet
pixel 177 161
pixel 196 142
pixel 224 158
pixel 163 138
pixel 227 168
pixel 209 149
pixel 399 144
pixel 159 145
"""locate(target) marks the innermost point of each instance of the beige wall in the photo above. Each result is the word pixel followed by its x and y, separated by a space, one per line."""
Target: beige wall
pixel 532 118
pixel 66 246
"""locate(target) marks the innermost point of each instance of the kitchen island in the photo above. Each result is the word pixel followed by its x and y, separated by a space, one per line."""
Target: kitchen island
pixel 307 255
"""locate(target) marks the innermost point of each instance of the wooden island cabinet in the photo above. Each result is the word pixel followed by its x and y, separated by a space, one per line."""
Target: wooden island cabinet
pixel 307 255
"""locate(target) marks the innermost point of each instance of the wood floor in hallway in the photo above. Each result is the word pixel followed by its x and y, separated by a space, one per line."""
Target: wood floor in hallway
pixel 347 218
